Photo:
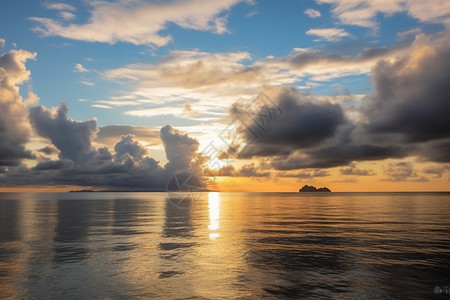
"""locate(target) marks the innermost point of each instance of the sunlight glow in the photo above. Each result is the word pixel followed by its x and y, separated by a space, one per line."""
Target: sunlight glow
pixel 214 214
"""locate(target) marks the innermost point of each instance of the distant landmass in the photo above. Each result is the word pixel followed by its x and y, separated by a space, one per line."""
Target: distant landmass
pixel 310 188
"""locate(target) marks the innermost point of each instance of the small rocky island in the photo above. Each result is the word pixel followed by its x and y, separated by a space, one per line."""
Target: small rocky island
pixel 310 188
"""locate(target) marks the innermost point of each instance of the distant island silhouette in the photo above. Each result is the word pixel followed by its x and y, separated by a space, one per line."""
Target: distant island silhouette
pixel 310 188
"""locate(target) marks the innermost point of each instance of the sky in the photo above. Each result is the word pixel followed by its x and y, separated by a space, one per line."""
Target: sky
pixel 245 95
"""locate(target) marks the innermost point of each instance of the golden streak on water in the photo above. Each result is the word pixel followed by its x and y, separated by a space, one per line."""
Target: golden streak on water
pixel 214 214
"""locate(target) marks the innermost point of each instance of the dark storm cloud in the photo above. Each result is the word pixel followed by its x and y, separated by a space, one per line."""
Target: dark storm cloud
pixel 310 135
pixel 412 94
pixel 438 151
pixel 72 138
pixel 53 165
pixel 14 125
pixel 303 124
pixel 407 115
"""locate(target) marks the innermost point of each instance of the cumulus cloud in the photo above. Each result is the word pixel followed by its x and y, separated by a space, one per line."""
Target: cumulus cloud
pixel 71 137
pixel 411 94
pixel 14 125
pixel 127 167
pixel 127 146
pixel 180 148
pixel 364 12
pixel 138 22
pixel 329 34
pixel 2 43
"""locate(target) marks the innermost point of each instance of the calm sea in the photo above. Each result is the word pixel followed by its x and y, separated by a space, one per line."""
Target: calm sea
pixel 225 246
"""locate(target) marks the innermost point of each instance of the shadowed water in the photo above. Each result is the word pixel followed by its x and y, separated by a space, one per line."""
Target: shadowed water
pixel 225 245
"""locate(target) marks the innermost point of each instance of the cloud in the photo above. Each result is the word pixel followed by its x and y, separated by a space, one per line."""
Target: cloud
pixel 312 13
pixel 53 165
pixel 127 167
pixel 108 135
pixel 329 34
pixel 60 6
pixel 127 146
pixel 180 148
pixel 364 12
pixel 139 22
pixel 292 123
pixel 191 69
pixel 88 83
pixel 71 137
pixel 67 15
pixel 247 170
pixel 436 170
pixel 353 170
pixel 195 77
pixel 2 43
pixel 49 150
pixel 80 68
pixel 325 66
pixel 305 174
pixel 14 125
pixel 437 151
pixel 411 93
pixel 401 171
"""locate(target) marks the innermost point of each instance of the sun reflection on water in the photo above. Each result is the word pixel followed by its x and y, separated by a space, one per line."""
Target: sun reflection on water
pixel 214 213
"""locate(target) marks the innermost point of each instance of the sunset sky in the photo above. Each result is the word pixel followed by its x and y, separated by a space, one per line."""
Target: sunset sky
pixel 247 95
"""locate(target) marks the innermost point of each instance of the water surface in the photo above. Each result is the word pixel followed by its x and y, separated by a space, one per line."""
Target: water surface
pixel 224 245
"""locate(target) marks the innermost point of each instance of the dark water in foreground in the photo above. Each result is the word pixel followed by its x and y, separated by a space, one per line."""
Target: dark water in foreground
pixel 224 245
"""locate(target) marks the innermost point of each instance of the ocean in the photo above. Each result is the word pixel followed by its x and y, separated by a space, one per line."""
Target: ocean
pixel 225 246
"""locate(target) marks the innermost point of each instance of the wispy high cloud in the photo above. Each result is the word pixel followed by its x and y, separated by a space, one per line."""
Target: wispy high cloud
pixel 80 68
pixel 59 6
pixel 139 22
pixel 363 12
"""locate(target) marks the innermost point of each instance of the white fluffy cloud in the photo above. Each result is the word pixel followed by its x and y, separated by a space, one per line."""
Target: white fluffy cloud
pixel 14 125
pixel 139 22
